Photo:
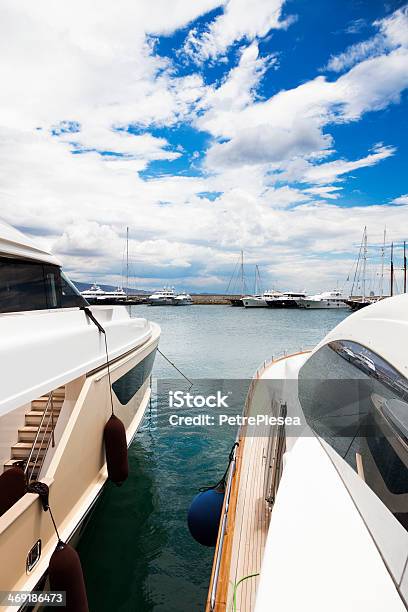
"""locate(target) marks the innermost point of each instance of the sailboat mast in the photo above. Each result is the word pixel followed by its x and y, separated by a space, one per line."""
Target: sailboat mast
pixel 127 262
pixel 364 263
pixel 242 272
pixel 392 270
pixel 405 269
pixel 382 265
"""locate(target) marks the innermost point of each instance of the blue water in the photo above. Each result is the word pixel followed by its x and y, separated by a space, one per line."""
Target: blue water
pixel 136 551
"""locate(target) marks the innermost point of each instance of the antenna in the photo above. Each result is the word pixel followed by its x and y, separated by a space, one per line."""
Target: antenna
pixel 127 262
pixel 364 263
pixel 382 265
pixel 392 270
pixel 242 272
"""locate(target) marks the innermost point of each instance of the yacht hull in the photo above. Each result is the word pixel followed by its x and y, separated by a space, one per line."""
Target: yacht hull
pixel 75 470
pixel 320 305
pixel 254 303
pixel 282 304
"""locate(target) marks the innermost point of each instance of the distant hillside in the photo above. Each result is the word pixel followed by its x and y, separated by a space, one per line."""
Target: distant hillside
pixel 82 286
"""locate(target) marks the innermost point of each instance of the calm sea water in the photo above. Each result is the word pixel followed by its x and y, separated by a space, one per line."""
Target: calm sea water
pixel 136 551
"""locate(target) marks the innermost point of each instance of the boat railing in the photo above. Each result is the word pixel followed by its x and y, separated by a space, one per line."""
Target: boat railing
pixel 275 451
pixel 223 529
pixel 43 438
pixel 262 369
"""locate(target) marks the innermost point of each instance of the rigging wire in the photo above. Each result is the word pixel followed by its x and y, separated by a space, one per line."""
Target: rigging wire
pixel 176 368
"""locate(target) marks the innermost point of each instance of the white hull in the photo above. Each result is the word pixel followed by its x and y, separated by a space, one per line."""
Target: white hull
pixel 254 302
pixel 321 305
pixel 74 471
pixel 351 531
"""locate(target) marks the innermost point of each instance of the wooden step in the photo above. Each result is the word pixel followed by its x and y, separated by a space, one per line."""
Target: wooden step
pixel 28 433
pixel 41 407
pixel 43 403
pixel 21 450
pixel 33 417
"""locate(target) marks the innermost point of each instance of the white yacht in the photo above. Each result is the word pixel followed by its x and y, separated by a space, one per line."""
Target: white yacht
pixel 315 511
pixel 95 295
pixel 168 297
pixel 162 297
pixel 183 299
pixel 260 301
pixel 327 299
pixel 67 371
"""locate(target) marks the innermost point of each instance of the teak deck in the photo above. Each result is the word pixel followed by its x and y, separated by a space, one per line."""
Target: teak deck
pixel 247 527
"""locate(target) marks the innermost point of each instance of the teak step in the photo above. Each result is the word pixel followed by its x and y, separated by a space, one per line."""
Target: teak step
pixel 28 432
pixel 41 407
pixel 33 417
pixel 21 450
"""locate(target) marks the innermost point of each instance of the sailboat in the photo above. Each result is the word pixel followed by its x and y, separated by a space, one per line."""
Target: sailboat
pixel 237 301
pixel 355 302
pixel 259 298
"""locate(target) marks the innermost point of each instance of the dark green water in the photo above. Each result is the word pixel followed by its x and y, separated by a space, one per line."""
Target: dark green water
pixel 136 551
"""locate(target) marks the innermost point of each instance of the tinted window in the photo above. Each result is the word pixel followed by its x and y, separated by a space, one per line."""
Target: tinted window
pixel 22 286
pixel 26 285
pixel 358 403
pixel 70 294
pixel 129 384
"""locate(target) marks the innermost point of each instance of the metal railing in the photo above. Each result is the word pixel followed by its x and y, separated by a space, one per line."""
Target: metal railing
pixel 274 456
pixel 41 441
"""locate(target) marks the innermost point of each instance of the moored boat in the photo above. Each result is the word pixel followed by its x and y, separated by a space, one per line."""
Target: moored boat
pixel 325 300
pixel 168 297
pixel 259 301
pixel 68 370
pixel 288 299
pixel 96 295
pixel 319 487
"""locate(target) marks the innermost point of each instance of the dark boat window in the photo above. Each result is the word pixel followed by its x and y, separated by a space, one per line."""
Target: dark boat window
pixel 26 285
pixel 129 384
pixel 70 294
pixel 358 403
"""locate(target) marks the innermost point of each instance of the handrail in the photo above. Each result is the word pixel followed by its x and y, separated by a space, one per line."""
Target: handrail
pixel 275 465
pixel 50 421
pixel 231 473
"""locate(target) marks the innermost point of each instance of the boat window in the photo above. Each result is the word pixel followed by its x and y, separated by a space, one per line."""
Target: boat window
pixel 358 403
pixel 129 384
pixel 70 294
pixel 30 285
pixel 22 286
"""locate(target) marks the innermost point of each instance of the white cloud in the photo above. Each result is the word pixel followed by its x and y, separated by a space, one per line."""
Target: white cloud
pixel 331 171
pixel 402 200
pixel 393 32
pixel 67 62
pixel 329 192
pixel 239 21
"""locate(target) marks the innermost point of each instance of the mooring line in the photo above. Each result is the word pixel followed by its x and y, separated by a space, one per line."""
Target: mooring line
pixel 176 368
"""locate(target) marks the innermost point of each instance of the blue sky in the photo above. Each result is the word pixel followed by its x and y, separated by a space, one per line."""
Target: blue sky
pixel 278 127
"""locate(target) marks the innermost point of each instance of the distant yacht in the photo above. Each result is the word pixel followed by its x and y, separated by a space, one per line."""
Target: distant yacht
pixel 260 301
pixel 96 295
pixel 327 299
pixel 183 299
pixel 288 299
pixel 168 297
